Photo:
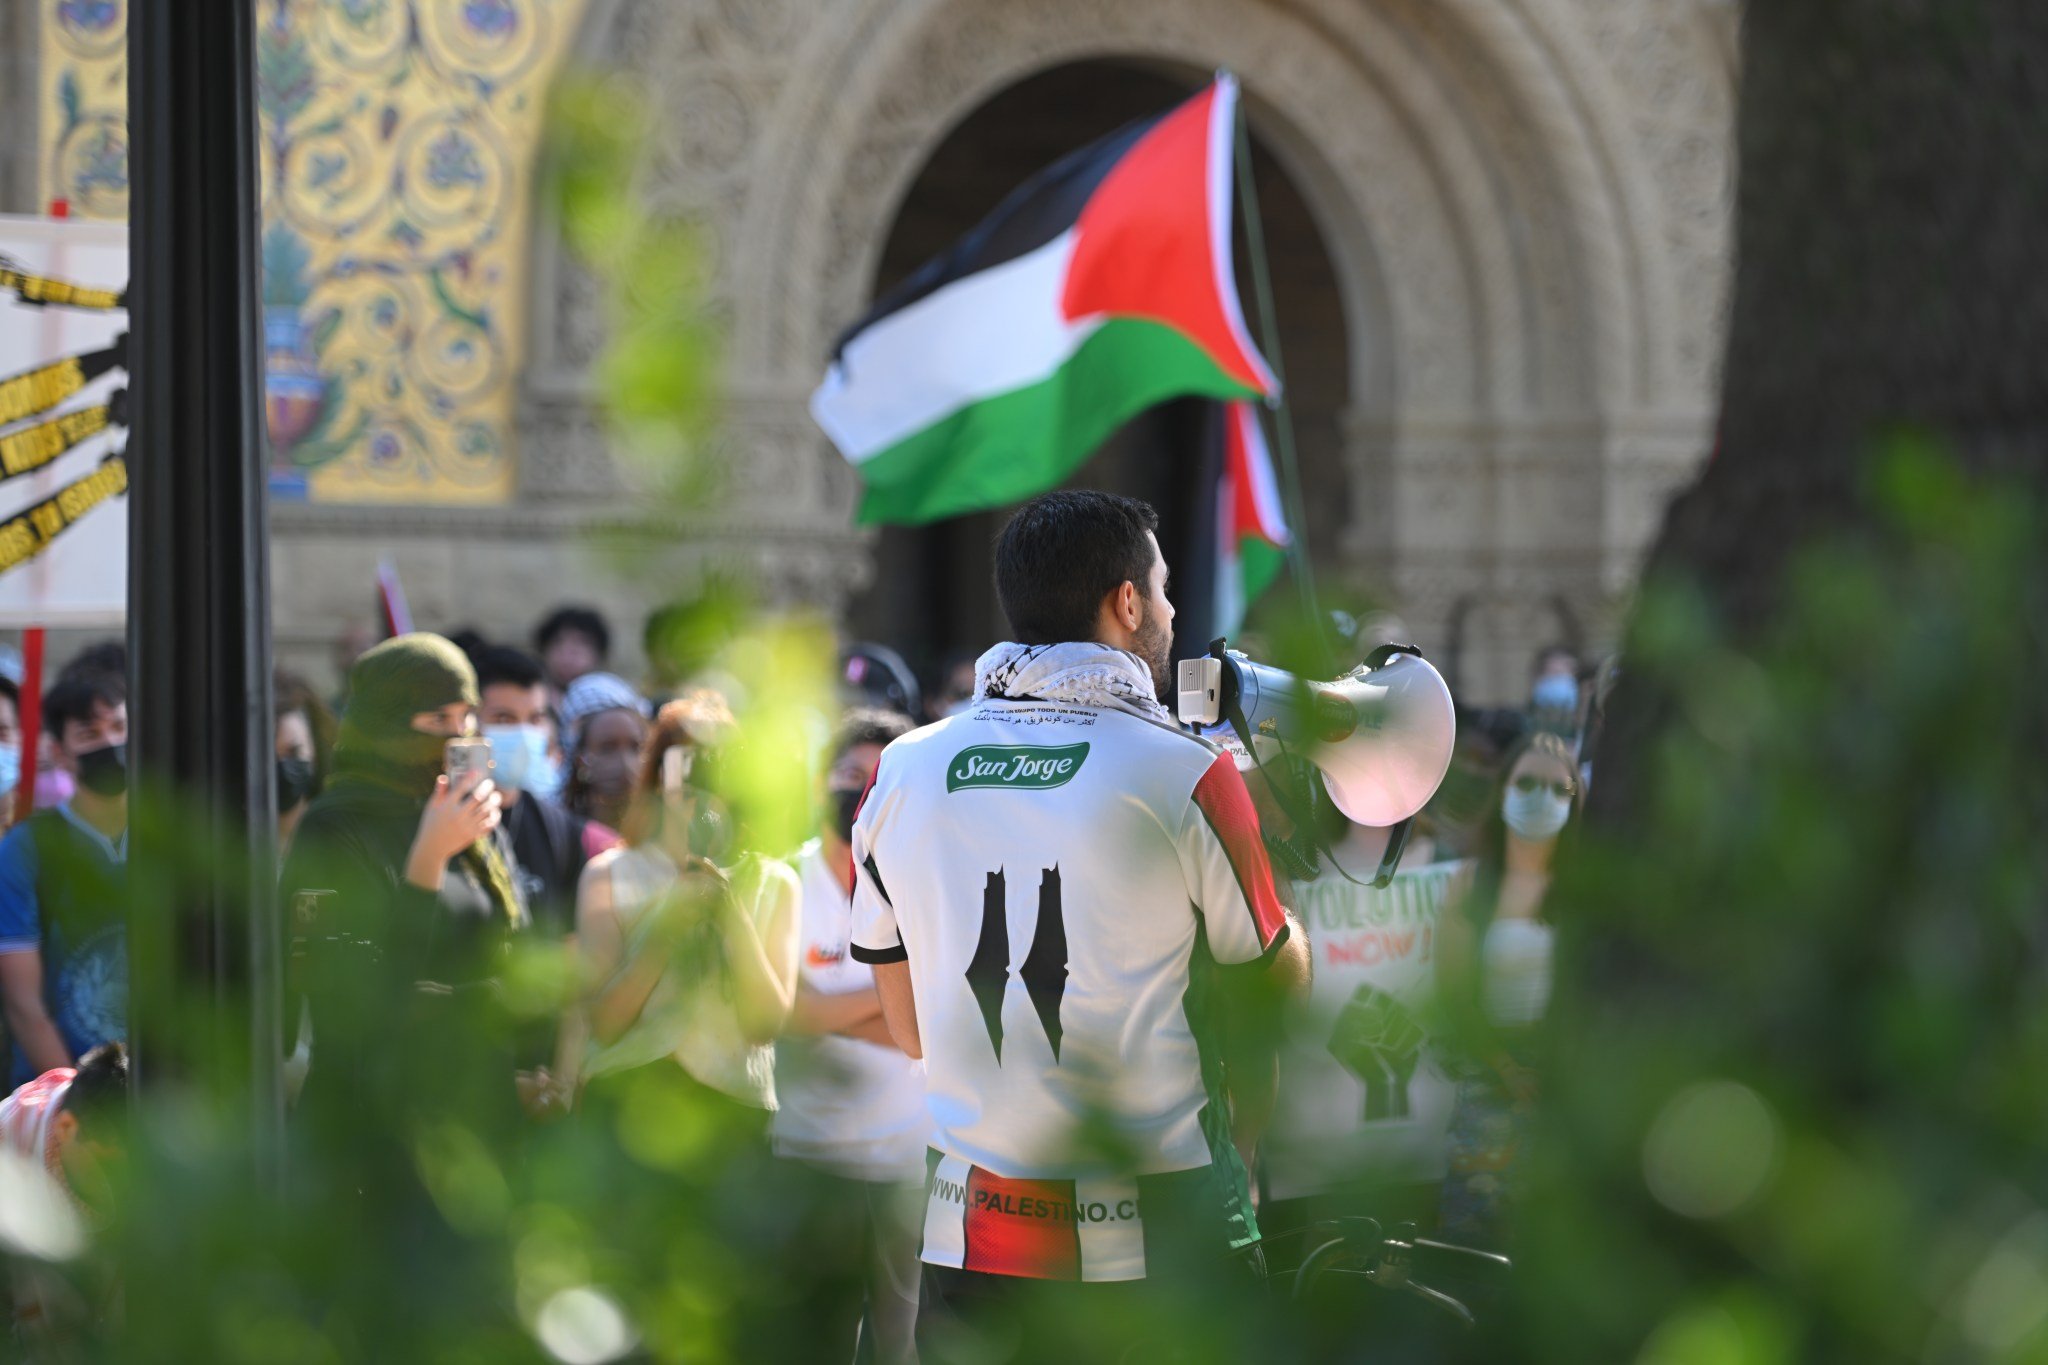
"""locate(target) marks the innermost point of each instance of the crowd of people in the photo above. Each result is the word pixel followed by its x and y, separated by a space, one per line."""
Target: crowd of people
pixel 877 1007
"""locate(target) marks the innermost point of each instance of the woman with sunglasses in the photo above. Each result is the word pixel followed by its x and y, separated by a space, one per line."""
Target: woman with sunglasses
pixel 1493 975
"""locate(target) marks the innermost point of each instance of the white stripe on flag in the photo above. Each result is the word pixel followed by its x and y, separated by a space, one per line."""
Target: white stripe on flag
pixel 1229 572
pixel 1222 156
pixel 989 333
pixel 945 1214
pixel 1265 488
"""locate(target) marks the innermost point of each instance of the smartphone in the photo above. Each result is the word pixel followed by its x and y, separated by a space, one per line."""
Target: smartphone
pixel 676 762
pixel 466 756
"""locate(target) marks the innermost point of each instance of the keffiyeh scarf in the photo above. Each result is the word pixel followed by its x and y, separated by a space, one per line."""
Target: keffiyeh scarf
pixel 1079 672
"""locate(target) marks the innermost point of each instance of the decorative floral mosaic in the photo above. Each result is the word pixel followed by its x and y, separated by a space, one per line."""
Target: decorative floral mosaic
pixel 397 144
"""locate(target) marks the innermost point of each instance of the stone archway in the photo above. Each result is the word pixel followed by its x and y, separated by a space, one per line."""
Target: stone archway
pixel 1532 264
pixel 932 596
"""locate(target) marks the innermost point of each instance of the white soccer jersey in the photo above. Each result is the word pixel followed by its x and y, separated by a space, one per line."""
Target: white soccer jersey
pixel 1061 880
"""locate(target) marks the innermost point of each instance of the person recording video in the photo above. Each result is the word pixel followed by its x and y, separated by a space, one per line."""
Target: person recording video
pixel 401 887
pixel 1054 887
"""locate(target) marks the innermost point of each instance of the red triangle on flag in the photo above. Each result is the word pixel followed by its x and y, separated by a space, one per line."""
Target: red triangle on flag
pixel 1153 241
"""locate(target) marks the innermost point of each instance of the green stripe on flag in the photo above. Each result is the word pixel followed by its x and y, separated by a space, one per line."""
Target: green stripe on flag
pixel 1259 563
pixel 1008 447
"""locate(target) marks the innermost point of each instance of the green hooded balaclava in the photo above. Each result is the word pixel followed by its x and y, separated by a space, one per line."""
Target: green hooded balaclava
pixel 389 685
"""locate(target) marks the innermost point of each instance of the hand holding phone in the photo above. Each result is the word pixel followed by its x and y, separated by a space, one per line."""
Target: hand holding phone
pixel 464 757
pixel 465 807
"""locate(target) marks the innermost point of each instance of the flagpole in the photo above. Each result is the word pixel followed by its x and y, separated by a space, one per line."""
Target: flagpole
pixel 1269 340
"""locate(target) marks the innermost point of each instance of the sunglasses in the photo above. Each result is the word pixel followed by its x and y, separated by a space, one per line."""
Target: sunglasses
pixel 1528 782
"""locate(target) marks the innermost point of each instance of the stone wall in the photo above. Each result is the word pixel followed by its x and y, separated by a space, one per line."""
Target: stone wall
pixel 1525 202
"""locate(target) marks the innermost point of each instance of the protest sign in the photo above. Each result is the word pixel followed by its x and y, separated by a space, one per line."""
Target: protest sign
pixel 63 509
pixel 1363 1092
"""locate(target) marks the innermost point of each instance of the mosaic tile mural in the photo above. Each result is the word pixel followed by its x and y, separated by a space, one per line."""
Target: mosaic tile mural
pixel 397 145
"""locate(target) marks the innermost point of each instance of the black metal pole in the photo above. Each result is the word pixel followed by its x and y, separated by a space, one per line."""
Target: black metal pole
pixel 202 740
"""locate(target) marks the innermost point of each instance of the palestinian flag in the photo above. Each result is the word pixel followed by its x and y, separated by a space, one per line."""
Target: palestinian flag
pixel 1098 288
pixel 1251 530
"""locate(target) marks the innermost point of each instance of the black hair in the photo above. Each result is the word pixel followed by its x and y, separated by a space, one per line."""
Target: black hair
pixel 1544 655
pixel 99 1092
pixel 582 620
pixel 1062 553
pixel 291 692
pixel 101 657
pixel 470 641
pixel 77 695
pixel 500 664
pixel 860 725
pixel 12 691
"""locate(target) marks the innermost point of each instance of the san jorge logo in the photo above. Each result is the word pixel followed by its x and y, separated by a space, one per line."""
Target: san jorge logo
pixel 1015 765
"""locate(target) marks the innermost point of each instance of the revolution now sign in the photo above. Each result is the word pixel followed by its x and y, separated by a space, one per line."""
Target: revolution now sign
pixel 1015 765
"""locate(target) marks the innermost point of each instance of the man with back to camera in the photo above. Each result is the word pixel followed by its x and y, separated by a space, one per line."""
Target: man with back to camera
pixel 1053 888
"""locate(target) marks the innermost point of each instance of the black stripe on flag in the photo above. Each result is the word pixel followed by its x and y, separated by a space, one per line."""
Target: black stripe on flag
pixel 1031 215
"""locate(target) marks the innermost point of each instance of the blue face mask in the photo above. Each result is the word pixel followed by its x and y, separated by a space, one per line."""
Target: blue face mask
pixel 10 769
pixel 519 759
pixel 1555 693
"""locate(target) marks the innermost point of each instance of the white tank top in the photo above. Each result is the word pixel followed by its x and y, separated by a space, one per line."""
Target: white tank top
pixel 698 1027
pixel 1517 966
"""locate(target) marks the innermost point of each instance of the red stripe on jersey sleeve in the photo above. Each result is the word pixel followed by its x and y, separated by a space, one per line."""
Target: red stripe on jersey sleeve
pixel 865 792
pixel 1022 1227
pixel 1227 805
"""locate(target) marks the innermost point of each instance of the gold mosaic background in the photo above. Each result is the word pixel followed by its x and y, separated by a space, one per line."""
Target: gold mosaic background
pixel 397 143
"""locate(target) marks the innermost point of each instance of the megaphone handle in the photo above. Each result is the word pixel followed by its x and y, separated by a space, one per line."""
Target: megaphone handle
pixel 1230 699
pixel 1379 656
pixel 1397 840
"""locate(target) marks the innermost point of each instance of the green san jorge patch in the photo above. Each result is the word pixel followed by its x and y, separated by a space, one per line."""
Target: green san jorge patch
pixel 1014 765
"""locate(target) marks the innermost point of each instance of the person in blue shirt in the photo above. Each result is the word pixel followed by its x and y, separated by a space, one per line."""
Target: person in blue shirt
pixel 63 890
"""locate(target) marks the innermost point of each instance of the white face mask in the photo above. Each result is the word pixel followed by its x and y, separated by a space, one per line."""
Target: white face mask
pixel 1537 814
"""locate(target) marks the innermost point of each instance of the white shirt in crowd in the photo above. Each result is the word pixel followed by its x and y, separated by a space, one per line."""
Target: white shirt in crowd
pixel 848 1106
pixel 694 1022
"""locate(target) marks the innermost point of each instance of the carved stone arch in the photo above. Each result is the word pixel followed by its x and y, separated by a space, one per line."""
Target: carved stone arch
pixel 1511 251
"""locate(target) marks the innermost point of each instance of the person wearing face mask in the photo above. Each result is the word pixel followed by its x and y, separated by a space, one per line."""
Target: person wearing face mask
pixel 604 724
pixel 403 900
pixel 692 965
pixel 1554 692
pixel 1494 976
pixel 63 889
pixel 851 1105
pixel 305 741
pixel 551 843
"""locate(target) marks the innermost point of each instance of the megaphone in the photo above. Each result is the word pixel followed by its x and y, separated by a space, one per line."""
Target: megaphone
pixel 1382 735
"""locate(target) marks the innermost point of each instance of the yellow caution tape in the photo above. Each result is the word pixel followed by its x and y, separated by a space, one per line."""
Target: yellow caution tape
pixel 29 532
pixel 33 447
pixel 38 390
pixel 43 289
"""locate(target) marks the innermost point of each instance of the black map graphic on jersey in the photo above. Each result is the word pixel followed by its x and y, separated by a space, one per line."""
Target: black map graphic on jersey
pixel 1045 967
pixel 988 972
pixel 1044 973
